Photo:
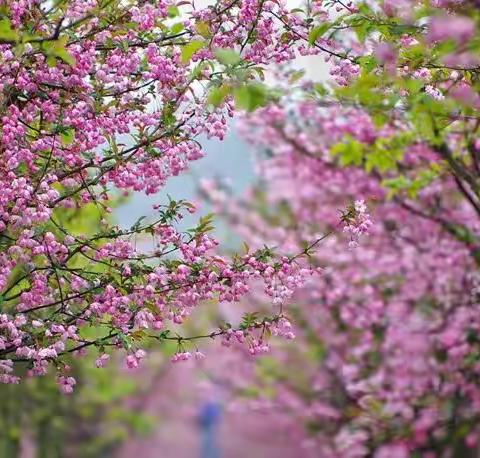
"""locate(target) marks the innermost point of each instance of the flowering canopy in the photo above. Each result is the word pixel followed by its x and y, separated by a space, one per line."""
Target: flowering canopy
pixel 103 95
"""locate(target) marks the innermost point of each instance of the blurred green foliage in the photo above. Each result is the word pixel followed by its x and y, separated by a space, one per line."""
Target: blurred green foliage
pixel 90 423
pixel 94 420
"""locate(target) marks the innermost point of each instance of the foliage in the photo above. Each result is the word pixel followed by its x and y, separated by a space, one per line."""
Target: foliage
pixel 91 423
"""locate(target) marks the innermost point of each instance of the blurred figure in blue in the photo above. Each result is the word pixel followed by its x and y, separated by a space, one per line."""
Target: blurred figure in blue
pixel 209 419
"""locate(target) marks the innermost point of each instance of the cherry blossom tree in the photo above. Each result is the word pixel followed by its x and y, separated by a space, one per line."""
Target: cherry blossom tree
pixel 105 97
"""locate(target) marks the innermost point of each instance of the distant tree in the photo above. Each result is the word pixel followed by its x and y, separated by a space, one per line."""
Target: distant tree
pixel 386 360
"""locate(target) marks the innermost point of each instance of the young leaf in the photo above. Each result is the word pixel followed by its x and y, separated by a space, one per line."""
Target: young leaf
pixel 318 31
pixel 227 56
pixel 6 31
pixel 67 137
pixel 203 29
pixel 58 49
pixel 190 49
pixel 296 76
pixel 251 96
pixel 177 28
pixel 173 11
pixel 218 94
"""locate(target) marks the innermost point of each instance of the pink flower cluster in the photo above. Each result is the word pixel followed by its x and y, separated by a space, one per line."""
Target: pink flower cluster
pixel 357 222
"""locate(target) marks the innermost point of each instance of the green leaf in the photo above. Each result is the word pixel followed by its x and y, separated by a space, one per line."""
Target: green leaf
pixel 362 30
pixel 402 29
pixel 173 11
pixel 168 114
pixel 296 76
pixel 227 56
pixel 368 63
pixel 397 184
pixel 177 28
pixel 422 121
pixel 218 94
pixel 318 31
pixel 380 118
pixel 414 55
pixel 57 48
pixel 380 159
pixel 204 224
pixel 350 152
pixel 248 320
pixel 320 89
pixel 190 49
pixel 251 96
pixel 203 29
pixel 67 137
pixel 7 33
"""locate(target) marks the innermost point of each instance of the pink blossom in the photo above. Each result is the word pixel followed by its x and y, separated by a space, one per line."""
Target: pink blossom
pixel 457 28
